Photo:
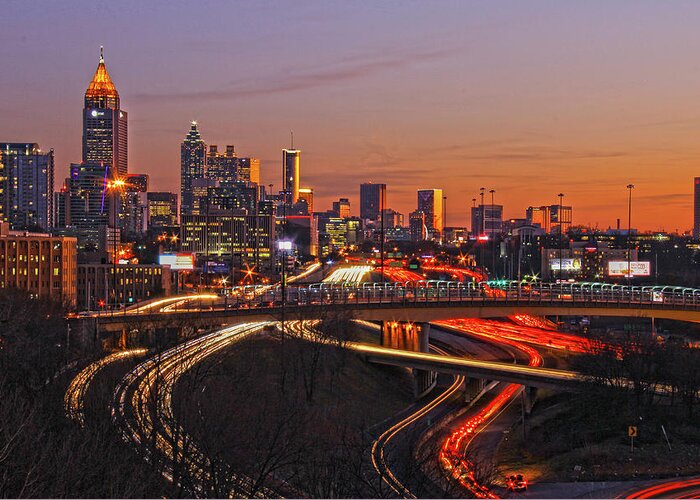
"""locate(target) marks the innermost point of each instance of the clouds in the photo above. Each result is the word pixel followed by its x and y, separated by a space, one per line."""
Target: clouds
pixel 299 78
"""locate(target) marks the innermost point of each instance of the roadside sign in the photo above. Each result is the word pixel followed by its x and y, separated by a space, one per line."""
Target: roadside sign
pixel 632 431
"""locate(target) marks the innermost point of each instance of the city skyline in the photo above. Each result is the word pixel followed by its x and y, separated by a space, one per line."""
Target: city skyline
pixel 585 125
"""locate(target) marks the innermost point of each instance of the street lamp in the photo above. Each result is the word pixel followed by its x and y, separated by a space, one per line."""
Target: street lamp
pixel 283 246
pixel 630 187
pixel 482 223
pixel 493 244
pixel 561 230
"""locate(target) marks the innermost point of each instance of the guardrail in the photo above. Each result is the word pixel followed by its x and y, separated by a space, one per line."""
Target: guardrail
pixel 432 291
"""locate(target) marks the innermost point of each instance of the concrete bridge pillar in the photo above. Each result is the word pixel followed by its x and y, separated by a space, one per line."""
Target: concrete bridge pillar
pixel 423 382
pixel 473 387
pixel 411 337
pixel 528 396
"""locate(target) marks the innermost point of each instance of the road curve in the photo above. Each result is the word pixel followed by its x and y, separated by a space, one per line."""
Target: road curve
pixel 142 410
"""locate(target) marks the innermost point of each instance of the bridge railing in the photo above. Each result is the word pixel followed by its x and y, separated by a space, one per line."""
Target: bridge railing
pixel 431 291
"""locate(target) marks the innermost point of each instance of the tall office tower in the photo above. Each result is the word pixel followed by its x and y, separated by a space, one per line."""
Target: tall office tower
pixel 307 195
pixel 342 208
pixel 192 161
pixel 487 219
pixel 104 123
pixel 372 200
pixel 291 164
pixel 548 217
pixel 162 210
pixel 91 203
pixel 133 213
pixel 430 203
pixel 26 186
pixel 417 225
pixel 222 166
pixel 696 210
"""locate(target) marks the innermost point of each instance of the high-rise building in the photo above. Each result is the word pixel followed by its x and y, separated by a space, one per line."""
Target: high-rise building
pixel 417 225
pixel 291 159
pixel 26 186
pixel 487 220
pixel 550 217
pixel 162 210
pixel 307 195
pixel 43 265
pixel 92 204
pixel 696 209
pixel 342 208
pixel 104 123
pixel 430 203
pixel 228 169
pixel 134 206
pixel 372 200
pixel 192 161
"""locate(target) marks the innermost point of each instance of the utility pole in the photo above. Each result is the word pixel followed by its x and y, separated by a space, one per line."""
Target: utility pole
pixel 630 187
pixel 493 244
pixel 561 232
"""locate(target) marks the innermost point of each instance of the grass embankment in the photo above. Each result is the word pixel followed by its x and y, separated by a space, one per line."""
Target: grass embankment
pixel 573 438
pixel 292 410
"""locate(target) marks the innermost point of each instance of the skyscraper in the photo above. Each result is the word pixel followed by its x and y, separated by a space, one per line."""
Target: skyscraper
pixel 291 171
pixel 430 203
pixel 371 197
pixel 162 210
pixel 696 209
pixel 91 203
pixel 104 123
pixel 26 186
pixel 192 161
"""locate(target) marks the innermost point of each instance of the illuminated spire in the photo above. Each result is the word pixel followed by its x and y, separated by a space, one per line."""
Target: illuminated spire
pixel 101 84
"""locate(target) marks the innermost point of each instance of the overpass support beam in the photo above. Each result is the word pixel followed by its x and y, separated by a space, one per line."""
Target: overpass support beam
pixel 423 382
pixel 528 396
pixel 472 388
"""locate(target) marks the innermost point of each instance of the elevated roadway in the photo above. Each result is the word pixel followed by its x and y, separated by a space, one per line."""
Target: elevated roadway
pixel 410 301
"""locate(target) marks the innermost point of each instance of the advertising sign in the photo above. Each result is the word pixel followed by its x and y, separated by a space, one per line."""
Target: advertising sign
pixel 177 262
pixel 618 268
pixel 566 264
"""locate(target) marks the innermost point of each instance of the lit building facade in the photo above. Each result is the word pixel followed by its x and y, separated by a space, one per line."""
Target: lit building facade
pixel 91 203
pixel 417 226
pixel 104 123
pixel 43 265
pixel 96 285
pixel 487 220
pixel 551 218
pixel 162 210
pixel 307 195
pixel 342 208
pixel 228 169
pixel 226 233
pixel 192 162
pixel 291 165
pixel 372 200
pixel 430 203
pixel 26 186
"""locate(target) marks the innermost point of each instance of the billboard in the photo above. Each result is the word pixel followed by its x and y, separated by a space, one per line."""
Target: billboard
pixel 177 262
pixel 617 268
pixel 566 265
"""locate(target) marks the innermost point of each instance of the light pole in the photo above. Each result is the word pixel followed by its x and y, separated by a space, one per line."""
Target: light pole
pixel 382 201
pixel 630 187
pixel 482 228
pixel 561 230
pixel 493 244
pixel 444 218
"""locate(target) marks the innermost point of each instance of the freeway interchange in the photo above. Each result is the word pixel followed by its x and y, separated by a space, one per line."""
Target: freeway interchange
pixel 142 402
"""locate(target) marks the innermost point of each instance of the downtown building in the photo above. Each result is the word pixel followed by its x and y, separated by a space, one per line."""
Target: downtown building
pixel 233 236
pixel 696 208
pixel 162 210
pixel 26 186
pixel 372 200
pixel 41 264
pixel 430 202
pixel 551 218
pixel 192 164
pixel 105 124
